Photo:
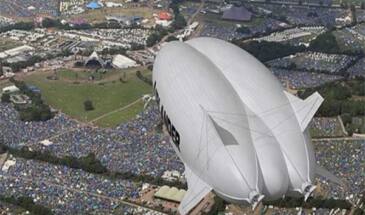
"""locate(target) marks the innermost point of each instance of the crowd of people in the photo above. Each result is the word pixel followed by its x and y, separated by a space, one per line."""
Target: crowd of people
pixel 66 190
pixel 126 36
pixel 300 80
pixel 321 62
pixel 357 69
pixel 307 15
pixel 292 34
pixel 345 159
pixel 134 147
pixel 229 31
pixel 27 8
pixel 326 127
pixel 211 29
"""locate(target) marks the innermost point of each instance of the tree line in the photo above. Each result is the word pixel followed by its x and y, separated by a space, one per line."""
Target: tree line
pixel 312 202
pixel 37 110
pixel 266 51
pixel 27 204
pixel 339 101
pixel 88 163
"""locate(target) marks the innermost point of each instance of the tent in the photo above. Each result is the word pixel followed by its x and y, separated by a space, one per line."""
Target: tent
pixel 94 61
pixel 94 5
pixel 121 62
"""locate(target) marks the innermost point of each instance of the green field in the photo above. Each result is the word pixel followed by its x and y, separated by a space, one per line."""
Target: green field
pixel 116 118
pixel 107 96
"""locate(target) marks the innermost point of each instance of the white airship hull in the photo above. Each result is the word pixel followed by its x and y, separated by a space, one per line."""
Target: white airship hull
pixel 233 125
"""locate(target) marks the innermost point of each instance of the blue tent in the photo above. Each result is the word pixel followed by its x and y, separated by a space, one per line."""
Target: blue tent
pixel 94 5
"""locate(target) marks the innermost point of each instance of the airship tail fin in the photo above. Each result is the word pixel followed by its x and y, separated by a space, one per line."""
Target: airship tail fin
pixel 305 109
pixel 197 190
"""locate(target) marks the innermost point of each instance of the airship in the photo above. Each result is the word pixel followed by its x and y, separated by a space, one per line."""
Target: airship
pixel 232 124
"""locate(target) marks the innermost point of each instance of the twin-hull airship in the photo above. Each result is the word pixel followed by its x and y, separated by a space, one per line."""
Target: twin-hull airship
pixel 235 128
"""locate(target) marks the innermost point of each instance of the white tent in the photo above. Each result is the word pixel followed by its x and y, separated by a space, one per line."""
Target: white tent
pixel 10 89
pixel 122 62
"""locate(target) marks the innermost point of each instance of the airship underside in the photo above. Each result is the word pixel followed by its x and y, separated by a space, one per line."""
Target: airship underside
pixel 232 124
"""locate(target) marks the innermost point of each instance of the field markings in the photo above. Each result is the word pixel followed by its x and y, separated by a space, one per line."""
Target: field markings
pixel 115 111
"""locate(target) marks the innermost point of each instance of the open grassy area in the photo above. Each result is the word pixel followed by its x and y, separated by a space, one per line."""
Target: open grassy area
pixel 98 76
pixel 107 96
pixel 121 116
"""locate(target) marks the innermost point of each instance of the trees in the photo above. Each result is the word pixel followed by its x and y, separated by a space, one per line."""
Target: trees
pixel 292 202
pixel 243 30
pixel 265 51
pixel 326 43
pixel 136 46
pixel 5 97
pixel 3 148
pixel 28 204
pixel 50 23
pixel 338 101
pixel 37 111
pixel 171 38
pixel 88 105
pixel 17 26
pixel 152 39
pixel 155 37
pixel 179 22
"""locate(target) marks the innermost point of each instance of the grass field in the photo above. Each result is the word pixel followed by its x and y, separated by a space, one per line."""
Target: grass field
pixel 69 75
pixel 117 117
pixel 107 96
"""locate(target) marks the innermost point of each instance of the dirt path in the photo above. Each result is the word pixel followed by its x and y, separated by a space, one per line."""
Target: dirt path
pixel 117 110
